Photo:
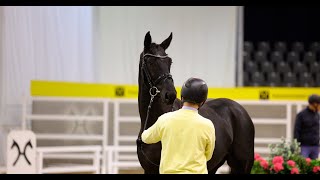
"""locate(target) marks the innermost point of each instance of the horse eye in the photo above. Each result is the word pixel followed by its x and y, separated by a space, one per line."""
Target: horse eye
pixel 152 61
pixel 169 60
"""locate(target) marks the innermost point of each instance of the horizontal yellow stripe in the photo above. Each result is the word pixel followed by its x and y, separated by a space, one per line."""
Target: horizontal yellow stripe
pixel 74 89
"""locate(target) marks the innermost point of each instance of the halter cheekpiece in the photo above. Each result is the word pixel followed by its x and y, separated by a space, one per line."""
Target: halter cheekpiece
pixel 153 91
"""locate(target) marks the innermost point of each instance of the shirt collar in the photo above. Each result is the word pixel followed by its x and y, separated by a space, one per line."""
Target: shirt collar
pixel 311 110
pixel 189 108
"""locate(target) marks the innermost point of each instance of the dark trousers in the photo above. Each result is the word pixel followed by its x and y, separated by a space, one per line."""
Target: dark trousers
pixel 311 152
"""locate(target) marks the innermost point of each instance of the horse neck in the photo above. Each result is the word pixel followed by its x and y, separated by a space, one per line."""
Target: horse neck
pixel 157 108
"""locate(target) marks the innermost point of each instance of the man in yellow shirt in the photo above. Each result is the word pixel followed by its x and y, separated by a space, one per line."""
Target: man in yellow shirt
pixel 187 138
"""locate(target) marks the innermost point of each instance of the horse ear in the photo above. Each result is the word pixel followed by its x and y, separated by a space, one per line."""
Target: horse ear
pixel 147 40
pixel 166 43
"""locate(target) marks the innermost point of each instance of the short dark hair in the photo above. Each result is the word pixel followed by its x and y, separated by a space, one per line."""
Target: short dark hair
pixel 314 99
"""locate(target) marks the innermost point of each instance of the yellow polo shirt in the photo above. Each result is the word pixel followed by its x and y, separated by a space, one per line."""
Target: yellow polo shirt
pixel 187 139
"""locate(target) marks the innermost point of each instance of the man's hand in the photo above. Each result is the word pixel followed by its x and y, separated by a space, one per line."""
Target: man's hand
pixel 139 141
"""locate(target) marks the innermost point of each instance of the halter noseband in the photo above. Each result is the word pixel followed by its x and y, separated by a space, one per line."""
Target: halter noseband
pixel 153 91
pixel 152 83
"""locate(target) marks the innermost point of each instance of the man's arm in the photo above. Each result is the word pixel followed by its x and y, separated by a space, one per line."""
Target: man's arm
pixel 152 134
pixel 210 144
pixel 297 128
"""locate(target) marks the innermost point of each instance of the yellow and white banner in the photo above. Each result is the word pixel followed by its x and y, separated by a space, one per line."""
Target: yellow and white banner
pixel 92 90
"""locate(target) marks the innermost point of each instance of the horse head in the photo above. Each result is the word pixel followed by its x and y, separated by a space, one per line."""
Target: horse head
pixel 155 67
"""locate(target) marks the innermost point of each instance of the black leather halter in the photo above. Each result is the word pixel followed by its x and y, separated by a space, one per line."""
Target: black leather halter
pixel 145 69
pixel 153 91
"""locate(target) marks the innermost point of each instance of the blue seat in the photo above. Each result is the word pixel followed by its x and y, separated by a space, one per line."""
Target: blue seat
pixel 246 56
pixel 297 47
pixel 317 79
pixel 250 66
pixel 246 79
pixel 283 67
pixel 280 46
pixel 266 67
pixel 299 67
pixel 315 47
pixel 257 79
pixel 309 57
pixel 305 79
pixel 264 46
pixel 248 46
pixel 273 79
pixel 289 79
pixel 276 56
pixel 260 56
pixel 314 67
pixel 293 57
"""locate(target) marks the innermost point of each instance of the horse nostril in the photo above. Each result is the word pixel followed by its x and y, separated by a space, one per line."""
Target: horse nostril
pixel 171 96
pixel 166 96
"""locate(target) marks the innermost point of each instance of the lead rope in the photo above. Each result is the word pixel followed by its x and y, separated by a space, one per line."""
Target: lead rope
pixel 147 117
pixel 153 87
pixel 150 104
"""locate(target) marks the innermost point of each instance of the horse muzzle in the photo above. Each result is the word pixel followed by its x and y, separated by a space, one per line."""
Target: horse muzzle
pixel 169 97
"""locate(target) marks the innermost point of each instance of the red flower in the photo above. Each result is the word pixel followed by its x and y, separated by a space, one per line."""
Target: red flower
pixel 316 169
pixel 294 171
pixel 278 167
pixel 264 164
pixel 291 163
pixel 308 160
pixel 277 159
pixel 256 156
pixel 260 159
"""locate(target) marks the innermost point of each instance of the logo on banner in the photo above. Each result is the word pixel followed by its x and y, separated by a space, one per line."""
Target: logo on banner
pixel 264 94
pixel 120 91
pixel 21 152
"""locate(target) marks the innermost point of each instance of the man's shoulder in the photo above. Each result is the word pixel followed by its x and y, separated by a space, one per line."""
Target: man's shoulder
pixel 303 112
pixel 166 115
pixel 206 121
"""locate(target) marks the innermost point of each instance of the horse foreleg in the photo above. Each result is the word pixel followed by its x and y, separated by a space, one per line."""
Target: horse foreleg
pixel 240 166
pixel 216 167
pixel 153 171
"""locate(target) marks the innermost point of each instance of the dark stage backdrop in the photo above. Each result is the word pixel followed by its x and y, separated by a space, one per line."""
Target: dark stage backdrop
pixel 282 24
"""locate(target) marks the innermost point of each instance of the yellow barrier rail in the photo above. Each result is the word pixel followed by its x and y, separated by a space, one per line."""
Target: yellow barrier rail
pixel 75 89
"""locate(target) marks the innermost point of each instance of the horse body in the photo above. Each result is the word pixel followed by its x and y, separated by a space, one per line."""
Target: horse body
pixel 234 127
pixel 234 135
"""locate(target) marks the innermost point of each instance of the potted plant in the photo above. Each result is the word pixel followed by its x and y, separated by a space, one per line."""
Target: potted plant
pixel 285 158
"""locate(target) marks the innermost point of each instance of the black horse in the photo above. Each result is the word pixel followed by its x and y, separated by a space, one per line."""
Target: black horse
pixel 157 95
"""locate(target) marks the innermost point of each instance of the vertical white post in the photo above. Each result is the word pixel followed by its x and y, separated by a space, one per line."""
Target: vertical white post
pixel 299 107
pixel 289 122
pixel 24 113
pixel 105 135
pixel 39 162
pixel 110 165
pixel 116 131
pixel 239 46
pixel 96 161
